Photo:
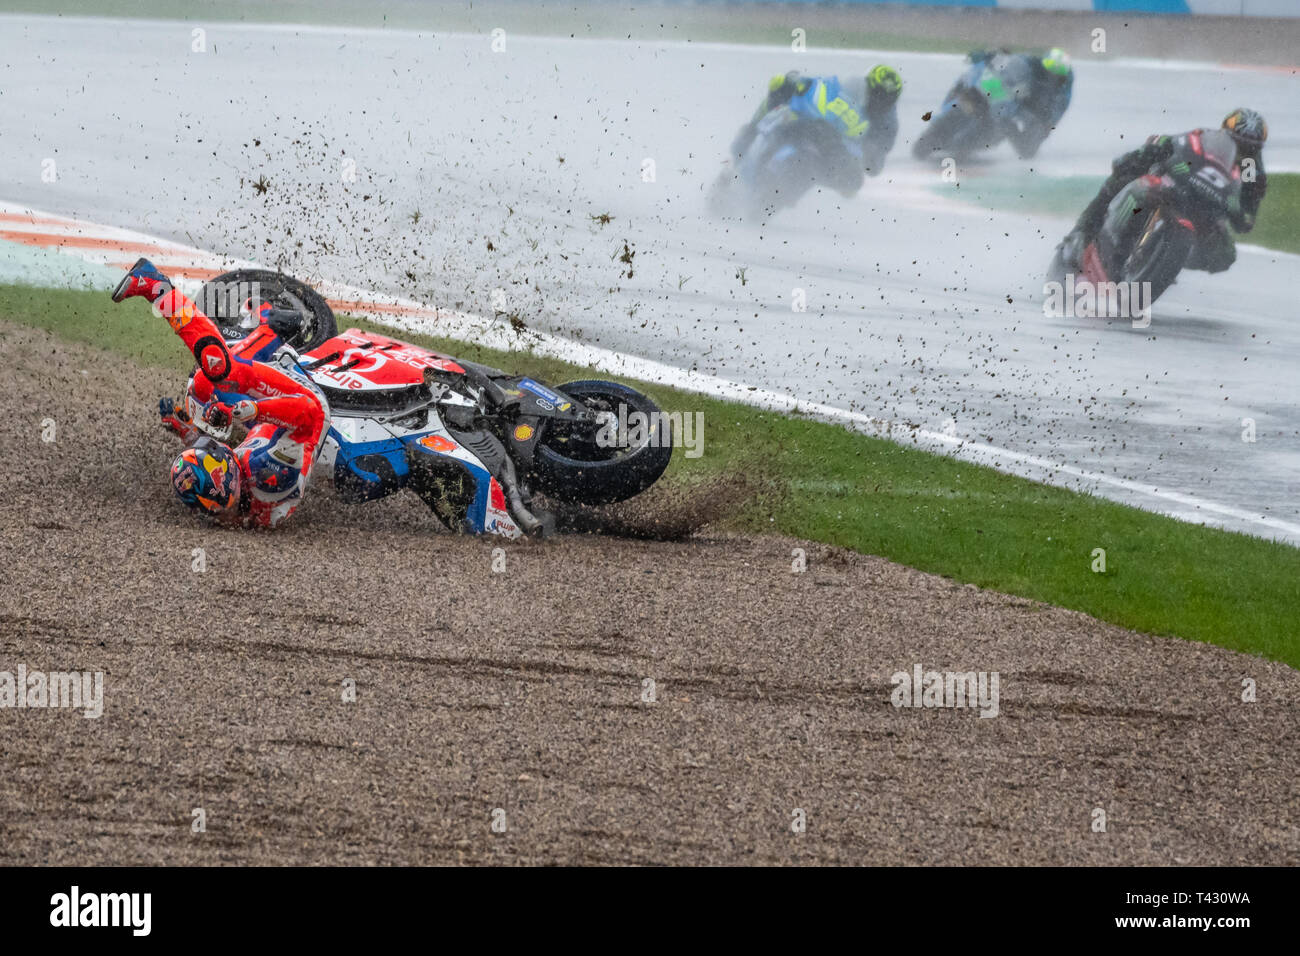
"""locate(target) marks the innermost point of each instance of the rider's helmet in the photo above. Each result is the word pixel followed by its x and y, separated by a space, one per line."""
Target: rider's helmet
pixel 1057 62
pixel 883 86
pixel 1247 129
pixel 206 478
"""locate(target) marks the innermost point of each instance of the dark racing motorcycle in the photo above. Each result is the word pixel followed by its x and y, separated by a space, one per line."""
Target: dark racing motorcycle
pixel 975 112
pixel 790 154
pixel 1151 225
pixel 473 441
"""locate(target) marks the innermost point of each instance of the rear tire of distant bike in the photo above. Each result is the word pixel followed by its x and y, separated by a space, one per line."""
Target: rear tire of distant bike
pixel 220 299
pixel 940 134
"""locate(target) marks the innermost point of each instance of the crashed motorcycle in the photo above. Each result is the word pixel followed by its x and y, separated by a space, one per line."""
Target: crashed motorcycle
pixel 975 112
pixel 475 443
pixel 1151 226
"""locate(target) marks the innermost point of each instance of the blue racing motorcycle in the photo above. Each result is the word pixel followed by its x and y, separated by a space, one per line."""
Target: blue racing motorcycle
pixel 978 109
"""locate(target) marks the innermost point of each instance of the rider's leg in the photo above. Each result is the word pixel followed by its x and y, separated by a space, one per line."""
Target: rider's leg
pixel 1094 214
pixel 1214 250
pixel 219 367
pixel 200 335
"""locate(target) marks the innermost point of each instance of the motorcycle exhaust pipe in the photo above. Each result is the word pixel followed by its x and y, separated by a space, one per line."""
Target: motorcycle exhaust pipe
pixel 509 479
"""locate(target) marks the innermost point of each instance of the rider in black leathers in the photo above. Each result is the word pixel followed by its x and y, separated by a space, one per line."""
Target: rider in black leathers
pixel 1214 251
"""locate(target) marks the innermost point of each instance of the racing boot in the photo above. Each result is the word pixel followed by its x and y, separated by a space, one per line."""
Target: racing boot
pixel 1070 250
pixel 145 280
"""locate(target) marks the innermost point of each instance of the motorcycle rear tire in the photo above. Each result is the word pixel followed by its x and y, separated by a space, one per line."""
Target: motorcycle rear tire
pixel 940 134
pixel 318 322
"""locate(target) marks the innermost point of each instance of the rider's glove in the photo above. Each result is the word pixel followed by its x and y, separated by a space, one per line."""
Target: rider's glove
pixel 219 414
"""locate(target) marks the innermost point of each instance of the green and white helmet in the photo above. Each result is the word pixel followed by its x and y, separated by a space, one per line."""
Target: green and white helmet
pixel 1057 61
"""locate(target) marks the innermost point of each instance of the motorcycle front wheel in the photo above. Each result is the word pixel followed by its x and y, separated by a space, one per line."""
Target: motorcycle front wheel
pixel 613 461
pixel 1159 254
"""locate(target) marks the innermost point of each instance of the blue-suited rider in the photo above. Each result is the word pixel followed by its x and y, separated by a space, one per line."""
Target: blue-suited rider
pixel 860 114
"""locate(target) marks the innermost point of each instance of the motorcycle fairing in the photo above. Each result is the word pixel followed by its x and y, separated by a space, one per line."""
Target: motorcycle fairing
pixel 822 100
pixel 486 512
pixel 1203 169
pixel 366 361
pixel 789 152
pixel 541 391
pixel 371 459
pixel 1121 216
pixel 998 86
pixel 548 403
pixel 368 461
pixel 523 438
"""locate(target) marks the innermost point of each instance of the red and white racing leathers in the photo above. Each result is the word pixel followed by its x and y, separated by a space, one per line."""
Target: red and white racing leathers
pixel 285 413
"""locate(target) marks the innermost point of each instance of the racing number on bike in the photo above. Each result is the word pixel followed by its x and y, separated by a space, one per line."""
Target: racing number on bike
pixel 1212 176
